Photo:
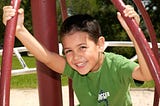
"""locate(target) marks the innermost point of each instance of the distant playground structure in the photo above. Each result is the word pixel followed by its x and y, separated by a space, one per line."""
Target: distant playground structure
pixel 52 95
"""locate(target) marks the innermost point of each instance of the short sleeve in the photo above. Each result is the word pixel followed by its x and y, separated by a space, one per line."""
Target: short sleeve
pixel 125 67
pixel 68 71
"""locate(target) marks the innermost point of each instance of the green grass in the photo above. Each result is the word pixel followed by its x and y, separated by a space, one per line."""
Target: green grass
pixel 30 61
pixel 149 84
pixel 30 80
pixel 24 81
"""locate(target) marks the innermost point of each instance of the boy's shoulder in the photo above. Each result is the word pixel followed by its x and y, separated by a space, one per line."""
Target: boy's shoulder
pixel 113 55
pixel 116 58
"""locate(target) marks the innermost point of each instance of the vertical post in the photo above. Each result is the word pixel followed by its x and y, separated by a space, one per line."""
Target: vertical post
pixel 6 66
pixel 63 9
pixel 64 16
pixel 45 30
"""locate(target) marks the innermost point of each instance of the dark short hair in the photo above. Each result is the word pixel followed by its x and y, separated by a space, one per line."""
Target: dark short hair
pixel 81 22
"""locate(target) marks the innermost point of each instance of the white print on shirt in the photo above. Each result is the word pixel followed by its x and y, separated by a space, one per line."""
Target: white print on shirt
pixel 102 96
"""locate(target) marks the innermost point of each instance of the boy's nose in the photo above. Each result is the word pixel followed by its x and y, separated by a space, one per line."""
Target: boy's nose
pixel 76 55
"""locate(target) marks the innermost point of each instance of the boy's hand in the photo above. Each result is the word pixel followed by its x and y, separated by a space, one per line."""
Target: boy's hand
pixel 9 12
pixel 128 12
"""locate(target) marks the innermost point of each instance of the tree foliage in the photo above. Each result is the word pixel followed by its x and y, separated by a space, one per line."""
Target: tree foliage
pixel 153 9
pixel 28 20
pixel 103 11
pixel 2 27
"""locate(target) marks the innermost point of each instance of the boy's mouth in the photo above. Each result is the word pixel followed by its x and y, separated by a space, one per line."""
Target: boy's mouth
pixel 80 65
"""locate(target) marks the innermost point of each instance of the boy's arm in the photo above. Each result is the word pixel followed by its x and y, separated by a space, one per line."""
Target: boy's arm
pixel 51 59
pixel 140 72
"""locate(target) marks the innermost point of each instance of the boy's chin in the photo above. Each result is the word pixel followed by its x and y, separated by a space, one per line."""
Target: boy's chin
pixel 83 73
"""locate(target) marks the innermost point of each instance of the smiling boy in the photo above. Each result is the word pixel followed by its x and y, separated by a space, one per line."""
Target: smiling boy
pixel 99 78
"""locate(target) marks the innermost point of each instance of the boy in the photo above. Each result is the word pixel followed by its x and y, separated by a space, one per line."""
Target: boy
pixel 99 78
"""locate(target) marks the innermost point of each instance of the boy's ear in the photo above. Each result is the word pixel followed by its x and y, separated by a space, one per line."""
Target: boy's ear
pixel 100 43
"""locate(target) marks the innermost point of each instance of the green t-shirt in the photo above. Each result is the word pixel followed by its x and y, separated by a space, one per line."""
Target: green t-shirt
pixel 109 86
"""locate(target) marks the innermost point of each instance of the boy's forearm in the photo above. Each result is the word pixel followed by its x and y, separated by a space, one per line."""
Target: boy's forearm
pixel 31 43
pixel 143 65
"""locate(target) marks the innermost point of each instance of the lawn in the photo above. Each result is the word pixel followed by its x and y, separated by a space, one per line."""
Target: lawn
pixel 30 80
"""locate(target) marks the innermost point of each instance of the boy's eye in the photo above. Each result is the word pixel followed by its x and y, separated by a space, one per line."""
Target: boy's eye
pixel 83 47
pixel 67 51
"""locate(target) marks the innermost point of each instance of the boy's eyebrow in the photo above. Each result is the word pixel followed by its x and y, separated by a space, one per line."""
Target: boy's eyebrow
pixel 76 45
pixel 81 44
pixel 65 48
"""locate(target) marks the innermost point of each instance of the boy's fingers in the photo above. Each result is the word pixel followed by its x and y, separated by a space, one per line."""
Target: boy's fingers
pixel 7 7
pixel 135 16
pixel 20 11
pixel 130 12
pixel 120 18
pixel 9 12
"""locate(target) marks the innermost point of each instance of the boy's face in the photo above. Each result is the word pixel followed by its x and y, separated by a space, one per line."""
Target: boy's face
pixel 82 53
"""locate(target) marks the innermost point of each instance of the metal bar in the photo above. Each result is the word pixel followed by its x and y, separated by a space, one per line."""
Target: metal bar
pixel 124 44
pixel 149 26
pixel 23 71
pixel 107 43
pixel 23 64
pixel 143 45
pixel 7 56
pixel 152 34
pixel 64 16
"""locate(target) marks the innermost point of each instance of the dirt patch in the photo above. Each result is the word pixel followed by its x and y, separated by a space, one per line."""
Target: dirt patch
pixel 29 97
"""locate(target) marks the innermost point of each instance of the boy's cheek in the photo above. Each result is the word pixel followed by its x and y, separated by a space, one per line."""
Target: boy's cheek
pixel 68 60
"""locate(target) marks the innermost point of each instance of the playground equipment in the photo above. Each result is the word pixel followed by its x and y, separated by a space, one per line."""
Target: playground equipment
pixel 151 57
pixel 26 70
pixel 52 95
pixel 7 57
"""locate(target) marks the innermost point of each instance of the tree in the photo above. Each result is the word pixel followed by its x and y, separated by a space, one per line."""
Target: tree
pixel 28 20
pixel 103 11
pixel 153 9
pixel 2 27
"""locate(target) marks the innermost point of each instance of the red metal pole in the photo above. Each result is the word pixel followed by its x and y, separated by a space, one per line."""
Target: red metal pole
pixel 45 30
pixel 152 34
pixel 150 28
pixel 143 44
pixel 64 16
pixel 6 66
pixel 63 9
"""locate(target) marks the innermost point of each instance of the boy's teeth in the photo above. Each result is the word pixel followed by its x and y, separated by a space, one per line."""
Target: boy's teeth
pixel 80 64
